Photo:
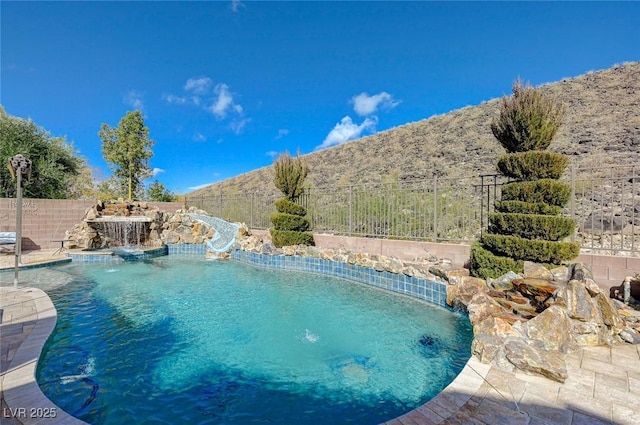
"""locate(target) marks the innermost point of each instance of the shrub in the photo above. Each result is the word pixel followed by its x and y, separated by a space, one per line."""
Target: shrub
pixel 548 191
pixel 527 225
pixel 526 207
pixel 290 174
pixel 486 265
pixel 283 221
pixel 282 238
pixel 531 226
pixel 528 120
pixel 285 205
pixel 551 252
pixel 290 226
pixel 533 165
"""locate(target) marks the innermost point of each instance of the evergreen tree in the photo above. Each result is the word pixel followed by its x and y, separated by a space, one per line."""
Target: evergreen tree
pixel 527 225
pixel 158 192
pixel 290 224
pixel 127 149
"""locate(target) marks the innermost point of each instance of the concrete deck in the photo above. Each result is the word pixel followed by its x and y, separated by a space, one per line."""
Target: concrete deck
pixel 28 259
pixel 603 385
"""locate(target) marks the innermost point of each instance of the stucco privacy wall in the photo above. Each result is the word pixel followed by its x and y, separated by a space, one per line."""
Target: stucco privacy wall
pixel 46 220
pixel 607 270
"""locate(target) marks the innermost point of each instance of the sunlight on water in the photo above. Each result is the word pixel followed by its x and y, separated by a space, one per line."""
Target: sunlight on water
pixel 242 342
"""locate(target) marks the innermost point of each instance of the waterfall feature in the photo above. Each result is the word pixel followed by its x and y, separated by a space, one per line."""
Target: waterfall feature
pixel 122 231
pixel 225 232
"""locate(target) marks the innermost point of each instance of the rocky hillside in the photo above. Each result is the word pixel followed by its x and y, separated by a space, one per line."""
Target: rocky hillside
pixel 602 127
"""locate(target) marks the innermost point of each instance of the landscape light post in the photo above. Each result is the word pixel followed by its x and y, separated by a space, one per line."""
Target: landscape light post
pixel 18 165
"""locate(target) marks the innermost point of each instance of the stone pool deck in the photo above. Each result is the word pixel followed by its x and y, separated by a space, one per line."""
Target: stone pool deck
pixel 30 259
pixel 603 385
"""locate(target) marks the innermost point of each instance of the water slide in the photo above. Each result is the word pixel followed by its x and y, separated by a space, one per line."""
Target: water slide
pixel 225 232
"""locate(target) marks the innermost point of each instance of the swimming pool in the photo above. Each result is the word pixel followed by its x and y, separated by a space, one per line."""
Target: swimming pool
pixel 182 340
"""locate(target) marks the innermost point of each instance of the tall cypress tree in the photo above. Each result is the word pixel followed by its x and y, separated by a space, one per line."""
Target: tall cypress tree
pixel 526 224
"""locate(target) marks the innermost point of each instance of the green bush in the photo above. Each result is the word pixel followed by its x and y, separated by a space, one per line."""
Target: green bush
pixel 533 165
pixel 290 174
pixel 486 265
pixel 282 238
pixel 531 226
pixel 528 120
pixel 548 191
pixel 526 208
pixel 283 221
pixel 286 206
pixel 527 224
pixel 551 252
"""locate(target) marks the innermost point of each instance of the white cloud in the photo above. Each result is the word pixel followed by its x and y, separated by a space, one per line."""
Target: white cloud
pixel 281 133
pixel 224 102
pixel 271 154
pixel 347 130
pixel 364 105
pixel 200 186
pixel 237 126
pixel 198 85
pixel 199 137
pixel 170 98
pixel 133 98
pixel 156 171
pixel 216 99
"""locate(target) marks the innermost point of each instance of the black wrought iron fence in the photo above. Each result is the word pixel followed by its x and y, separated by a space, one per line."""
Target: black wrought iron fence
pixel 605 204
pixel 606 207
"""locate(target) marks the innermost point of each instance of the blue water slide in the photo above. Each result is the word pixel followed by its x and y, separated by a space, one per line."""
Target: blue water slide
pixel 225 232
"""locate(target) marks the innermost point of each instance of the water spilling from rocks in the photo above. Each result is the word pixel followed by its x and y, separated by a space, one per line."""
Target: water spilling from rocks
pixel 124 232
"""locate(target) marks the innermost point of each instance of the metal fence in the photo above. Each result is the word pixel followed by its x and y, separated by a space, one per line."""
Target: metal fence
pixel 605 203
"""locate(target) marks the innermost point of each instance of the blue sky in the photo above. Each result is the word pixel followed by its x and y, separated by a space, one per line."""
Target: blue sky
pixel 224 86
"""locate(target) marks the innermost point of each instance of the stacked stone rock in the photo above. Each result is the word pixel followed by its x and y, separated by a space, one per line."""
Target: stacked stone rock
pixel 85 234
pixel 164 228
pixel 290 224
pixel 531 322
pixel 182 228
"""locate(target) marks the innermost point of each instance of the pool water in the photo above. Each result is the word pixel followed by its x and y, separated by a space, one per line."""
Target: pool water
pixel 181 340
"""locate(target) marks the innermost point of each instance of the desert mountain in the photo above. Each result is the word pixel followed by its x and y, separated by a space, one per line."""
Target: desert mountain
pixel 602 127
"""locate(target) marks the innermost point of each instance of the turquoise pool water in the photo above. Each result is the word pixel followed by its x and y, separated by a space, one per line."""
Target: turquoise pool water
pixel 181 340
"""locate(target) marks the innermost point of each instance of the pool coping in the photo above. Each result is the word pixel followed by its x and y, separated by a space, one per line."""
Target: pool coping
pixel 35 316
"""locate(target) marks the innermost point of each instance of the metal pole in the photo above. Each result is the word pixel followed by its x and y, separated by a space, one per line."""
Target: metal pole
pixel 18 250
pixel 251 219
pixel 350 210
pixel 633 209
pixel 18 165
pixel 435 208
pixel 481 206
pixel 573 197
